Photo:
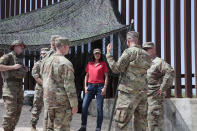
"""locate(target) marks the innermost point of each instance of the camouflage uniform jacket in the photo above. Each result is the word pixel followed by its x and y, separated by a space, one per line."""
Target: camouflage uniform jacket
pixel 37 65
pixel 36 74
pixel 12 79
pixel 36 70
pixel 134 62
pixel 160 76
pixel 49 54
pixel 58 82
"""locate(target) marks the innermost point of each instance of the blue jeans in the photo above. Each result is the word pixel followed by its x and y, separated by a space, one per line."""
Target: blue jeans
pixel 93 89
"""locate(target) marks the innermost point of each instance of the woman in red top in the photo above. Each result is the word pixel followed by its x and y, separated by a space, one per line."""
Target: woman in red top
pixel 96 80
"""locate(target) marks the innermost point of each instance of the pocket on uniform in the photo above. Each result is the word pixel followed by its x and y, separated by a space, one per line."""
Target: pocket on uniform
pixel 121 115
pixel 156 112
pixel 68 115
pixel 45 115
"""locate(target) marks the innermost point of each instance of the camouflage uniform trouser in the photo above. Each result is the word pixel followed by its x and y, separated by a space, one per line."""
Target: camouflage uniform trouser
pixel 57 119
pixel 37 104
pixel 155 113
pixel 13 106
pixel 128 105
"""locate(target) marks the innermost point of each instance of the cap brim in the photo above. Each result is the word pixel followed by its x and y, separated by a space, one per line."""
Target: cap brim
pixel 146 47
pixel 12 46
pixel 97 52
pixel 43 52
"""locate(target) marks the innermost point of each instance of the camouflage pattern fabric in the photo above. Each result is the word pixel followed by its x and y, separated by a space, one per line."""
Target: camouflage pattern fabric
pixel 57 119
pixel 36 70
pixel 49 54
pixel 37 104
pixel 38 95
pixel 13 107
pixel 68 18
pixel 58 89
pixel 12 90
pixel 155 113
pixel 160 76
pixel 132 99
pixel 128 106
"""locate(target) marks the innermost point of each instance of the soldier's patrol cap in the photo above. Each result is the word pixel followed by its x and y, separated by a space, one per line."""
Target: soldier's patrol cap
pixel 15 43
pixel 96 51
pixel 60 41
pixel 53 37
pixel 148 45
pixel 44 50
pixel 132 35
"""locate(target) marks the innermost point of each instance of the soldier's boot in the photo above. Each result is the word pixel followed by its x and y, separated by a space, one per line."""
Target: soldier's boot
pixel 82 129
pixel 8 129
pixel 33 127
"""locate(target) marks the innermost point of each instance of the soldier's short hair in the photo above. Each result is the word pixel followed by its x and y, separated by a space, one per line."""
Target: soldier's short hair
pixel 133 36
pixel 53 37
pixel 61 41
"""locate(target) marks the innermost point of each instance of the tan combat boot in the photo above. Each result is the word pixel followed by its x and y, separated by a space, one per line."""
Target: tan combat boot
pixel 33 128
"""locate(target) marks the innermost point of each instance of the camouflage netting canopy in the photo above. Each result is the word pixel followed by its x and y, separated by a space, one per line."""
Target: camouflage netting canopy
pixel 82 21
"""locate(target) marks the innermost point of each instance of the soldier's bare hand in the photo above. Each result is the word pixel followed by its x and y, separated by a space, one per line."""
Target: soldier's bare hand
pixel 103 92
pixel 86 90
pixel 74 110
pixel 17 66
pixel 26 69
pixel 158 93
pixel 39 81
pixel 109 47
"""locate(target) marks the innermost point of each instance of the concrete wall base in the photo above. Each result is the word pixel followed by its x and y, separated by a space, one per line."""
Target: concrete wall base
pixel 180 114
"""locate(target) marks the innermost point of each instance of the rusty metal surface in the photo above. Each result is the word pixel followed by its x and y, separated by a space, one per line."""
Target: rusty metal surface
pixel 187 48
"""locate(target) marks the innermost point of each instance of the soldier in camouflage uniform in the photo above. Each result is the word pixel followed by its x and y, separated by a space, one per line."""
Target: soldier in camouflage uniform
pixel 59 93
pixel 53 49
pixel 13 72
pixel 160 78
pixel 38 96
pixel 132 97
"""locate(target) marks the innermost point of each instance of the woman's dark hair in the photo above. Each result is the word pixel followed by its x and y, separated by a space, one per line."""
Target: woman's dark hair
pixel 93 59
